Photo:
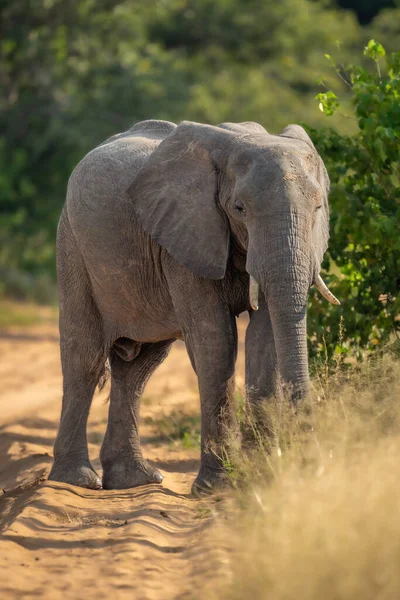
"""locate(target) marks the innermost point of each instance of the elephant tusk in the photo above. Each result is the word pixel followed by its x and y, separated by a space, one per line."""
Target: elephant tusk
pixel 324 290
pixel 253 293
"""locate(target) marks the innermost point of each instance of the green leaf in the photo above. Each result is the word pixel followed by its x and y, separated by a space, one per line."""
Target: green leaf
pixel 328 102
pixel 374 50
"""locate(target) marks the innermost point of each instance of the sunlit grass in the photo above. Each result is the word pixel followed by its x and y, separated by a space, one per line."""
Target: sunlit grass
pixel 316 511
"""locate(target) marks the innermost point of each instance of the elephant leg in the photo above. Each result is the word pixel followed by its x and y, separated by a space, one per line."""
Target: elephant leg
pixel 213 351
pixel 121 455
pixel 83 357
pixel 71 457
pixel 261 360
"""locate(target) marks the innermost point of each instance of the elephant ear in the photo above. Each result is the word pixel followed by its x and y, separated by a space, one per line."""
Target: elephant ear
pixel 320 232
pixel 175 199
pixel 296 132
pixel 244 128
pixel 321 225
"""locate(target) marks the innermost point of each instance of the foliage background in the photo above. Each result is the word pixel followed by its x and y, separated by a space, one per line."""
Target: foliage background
pixel 73 73
pixel 364 252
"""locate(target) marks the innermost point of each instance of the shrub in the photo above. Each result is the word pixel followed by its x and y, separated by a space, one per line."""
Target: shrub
pixel 363 262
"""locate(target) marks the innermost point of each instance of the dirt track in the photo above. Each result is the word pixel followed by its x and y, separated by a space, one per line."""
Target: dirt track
pixel 59 541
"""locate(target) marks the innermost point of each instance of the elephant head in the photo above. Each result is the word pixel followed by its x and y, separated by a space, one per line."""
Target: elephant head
pixel 204 184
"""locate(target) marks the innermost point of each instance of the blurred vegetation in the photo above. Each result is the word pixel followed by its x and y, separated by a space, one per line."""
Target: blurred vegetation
pixel 73 73
pixel 23 314
pixel 177 427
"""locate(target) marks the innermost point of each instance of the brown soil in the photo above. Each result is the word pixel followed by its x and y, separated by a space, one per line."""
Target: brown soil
pixel 60 541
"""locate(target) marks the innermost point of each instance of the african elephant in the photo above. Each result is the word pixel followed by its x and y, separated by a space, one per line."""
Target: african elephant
pixel 164 230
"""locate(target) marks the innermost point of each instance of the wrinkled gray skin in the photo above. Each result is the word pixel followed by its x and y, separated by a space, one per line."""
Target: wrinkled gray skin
pixel 161 228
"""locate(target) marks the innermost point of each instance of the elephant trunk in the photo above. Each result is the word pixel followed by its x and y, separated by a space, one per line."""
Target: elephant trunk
pixel 290 337
pixel 285 273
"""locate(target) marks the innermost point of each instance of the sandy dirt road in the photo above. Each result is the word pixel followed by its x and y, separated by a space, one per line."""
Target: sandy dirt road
pixel 60 541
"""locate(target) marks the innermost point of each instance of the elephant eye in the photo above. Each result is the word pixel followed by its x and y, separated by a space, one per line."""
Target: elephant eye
pixel 318 207
pixel 240 208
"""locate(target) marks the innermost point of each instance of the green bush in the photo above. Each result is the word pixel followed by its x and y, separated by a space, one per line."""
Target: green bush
pixel 363 262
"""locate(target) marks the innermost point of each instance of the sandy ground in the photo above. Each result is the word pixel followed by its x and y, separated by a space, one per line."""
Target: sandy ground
pixel 60 541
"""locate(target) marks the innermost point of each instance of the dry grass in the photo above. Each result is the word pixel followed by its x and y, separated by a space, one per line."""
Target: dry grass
pixel 316 513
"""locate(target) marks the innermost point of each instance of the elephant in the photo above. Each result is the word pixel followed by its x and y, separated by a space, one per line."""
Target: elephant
pixel 168 233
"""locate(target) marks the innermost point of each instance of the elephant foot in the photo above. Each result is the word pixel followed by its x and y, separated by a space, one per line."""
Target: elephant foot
pixel 82 475
pixel 210 480
pixel 123 475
